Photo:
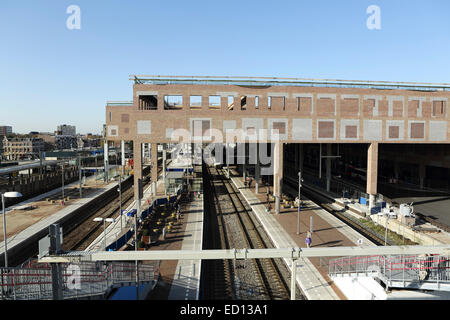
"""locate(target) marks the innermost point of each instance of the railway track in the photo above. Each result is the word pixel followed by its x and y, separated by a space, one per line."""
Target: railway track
pixel 86 231
pixel 217 281
pixel 392 202
pixel 255 278
pixel 73 238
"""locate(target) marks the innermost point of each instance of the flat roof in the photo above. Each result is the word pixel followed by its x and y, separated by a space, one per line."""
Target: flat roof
pixel 174 174
pixel 119 103
pixel 32 165
pixel 275 81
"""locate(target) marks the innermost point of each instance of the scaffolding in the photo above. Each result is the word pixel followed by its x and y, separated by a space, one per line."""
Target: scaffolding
pixel 80 280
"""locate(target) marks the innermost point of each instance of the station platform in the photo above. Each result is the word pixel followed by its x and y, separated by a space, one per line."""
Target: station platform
pixel 180 280
pixel 425 234
pixel 312 274
pixel 115 230
pixel 27 227
pixel 22 215
pixel 186 282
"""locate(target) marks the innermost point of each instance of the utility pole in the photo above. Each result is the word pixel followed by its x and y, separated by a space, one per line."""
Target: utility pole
pixel 79 171
pixel 62 176
pixel 56 268
pixel 386 231
pixel 120 199
pixel 40 163
pixel 299 201
pixel 138 212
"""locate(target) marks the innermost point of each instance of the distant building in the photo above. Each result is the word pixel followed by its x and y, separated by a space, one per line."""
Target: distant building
pixel 21 148
pixel 47 137
pixel 5 130
pixel 49 140
pixel 64 142
pixel 66 130
pixel 88 141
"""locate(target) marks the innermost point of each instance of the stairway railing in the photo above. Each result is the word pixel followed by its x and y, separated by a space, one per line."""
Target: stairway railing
pixel 398 270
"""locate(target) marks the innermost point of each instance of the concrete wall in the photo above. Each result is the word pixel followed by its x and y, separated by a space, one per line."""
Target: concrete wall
pixel 38 184
pixel 395 226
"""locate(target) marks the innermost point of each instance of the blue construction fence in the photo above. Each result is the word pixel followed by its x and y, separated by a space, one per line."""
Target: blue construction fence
pixel 129 234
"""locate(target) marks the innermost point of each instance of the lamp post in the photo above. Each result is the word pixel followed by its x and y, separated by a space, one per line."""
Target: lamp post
pixel 11 194
pixel 120 200
pixel 79 172
pixel 62 188
pixel 300 180
pixel 386 229
pixel 99 219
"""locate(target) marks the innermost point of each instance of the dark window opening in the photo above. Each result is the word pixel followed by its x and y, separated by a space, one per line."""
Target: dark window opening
pixel 148 102
pixel 243 102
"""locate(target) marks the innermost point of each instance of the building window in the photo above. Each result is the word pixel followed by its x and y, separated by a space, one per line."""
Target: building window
pixel 243 102
pixel 172 102
pixel 148 102
pixel 214 102
pixel 195 102
pixel 438 108
pixel 256 102
pixel 230 102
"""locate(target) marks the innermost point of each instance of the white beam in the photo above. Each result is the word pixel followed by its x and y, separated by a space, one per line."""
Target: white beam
pixel 292 253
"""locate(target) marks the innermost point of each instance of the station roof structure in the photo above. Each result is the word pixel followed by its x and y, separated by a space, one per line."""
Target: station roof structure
pixel 275 81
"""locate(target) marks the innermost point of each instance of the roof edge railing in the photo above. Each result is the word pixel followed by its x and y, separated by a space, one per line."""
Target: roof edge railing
pixel 274 81
pixel 119 103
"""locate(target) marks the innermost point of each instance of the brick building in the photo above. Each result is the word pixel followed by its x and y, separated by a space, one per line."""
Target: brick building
pixel 166 109
pixel 5 130
pixel 20 148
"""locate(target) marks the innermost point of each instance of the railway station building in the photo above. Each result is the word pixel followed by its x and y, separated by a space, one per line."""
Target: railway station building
pixel 292 115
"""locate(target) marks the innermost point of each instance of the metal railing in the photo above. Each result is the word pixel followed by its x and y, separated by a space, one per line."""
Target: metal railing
pixel 412 271
pixel 277 81
pixel 34 282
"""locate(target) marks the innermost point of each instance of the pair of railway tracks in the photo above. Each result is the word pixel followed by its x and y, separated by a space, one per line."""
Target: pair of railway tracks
pixel 218 274
pixel 85 232
pixel 264 279
pixel 88 230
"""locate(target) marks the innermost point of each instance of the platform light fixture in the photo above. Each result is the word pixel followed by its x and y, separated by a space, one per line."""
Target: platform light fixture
pixel 100 219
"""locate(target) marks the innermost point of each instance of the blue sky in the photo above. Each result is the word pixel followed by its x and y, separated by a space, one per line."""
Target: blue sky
pixel 51 75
